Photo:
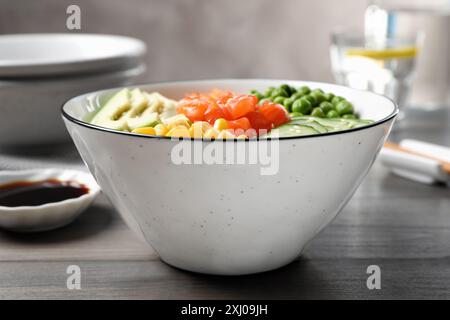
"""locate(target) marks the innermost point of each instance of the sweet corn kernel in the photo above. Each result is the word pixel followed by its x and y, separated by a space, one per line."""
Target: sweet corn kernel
pixel 220 124
pixel 179 131
pixel 161 129
pixel 145 130
pixel 185 124
pixel 175 118
pixel 202 125
pixel 224 134
pixel 195 132
pixel 211 133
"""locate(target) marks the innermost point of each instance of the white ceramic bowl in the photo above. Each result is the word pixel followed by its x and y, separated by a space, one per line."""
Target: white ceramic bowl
pixel 230 219
pixel 50 54
pixel 30 108
pixel 51 215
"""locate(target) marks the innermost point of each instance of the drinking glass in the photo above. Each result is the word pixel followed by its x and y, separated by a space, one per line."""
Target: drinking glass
pixel 431 88
pixel 381 65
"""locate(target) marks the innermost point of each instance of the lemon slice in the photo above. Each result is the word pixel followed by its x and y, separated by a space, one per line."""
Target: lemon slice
pixel 383 54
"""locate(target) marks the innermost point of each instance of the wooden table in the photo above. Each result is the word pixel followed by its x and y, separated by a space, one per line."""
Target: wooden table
pixel 399 225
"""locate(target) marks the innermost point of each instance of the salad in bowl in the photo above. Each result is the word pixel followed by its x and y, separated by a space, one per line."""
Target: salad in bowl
pixel 224 114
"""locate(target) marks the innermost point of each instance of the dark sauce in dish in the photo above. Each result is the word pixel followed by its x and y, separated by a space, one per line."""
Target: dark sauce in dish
pixel 35 193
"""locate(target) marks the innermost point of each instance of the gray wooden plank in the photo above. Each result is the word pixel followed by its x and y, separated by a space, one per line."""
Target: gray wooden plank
pixel 303 279
pixel 99 233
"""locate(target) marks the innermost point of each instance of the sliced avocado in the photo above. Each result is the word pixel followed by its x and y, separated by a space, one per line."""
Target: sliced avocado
pixel 165 107
pixel 146 119
pixel 143 111
pixel 138 99
pixel 169 108
pixel 128 110
pixel 155 103
pixel 167 113
pixel 113 114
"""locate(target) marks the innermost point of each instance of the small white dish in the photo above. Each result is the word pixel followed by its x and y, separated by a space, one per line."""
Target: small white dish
pixel 50 215
pixel 24 55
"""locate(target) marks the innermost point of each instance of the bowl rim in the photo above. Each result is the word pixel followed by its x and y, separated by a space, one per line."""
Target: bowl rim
pixel 70 118
pixel 72 66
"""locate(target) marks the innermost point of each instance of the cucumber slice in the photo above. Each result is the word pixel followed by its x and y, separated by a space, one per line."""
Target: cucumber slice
pixel 311 123
pixel 307 125
pixel 289 130
pixel 332 124
pixel 359 122
pixel 343 124
pixel 113 114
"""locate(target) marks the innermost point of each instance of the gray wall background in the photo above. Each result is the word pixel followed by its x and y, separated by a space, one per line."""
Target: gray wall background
pixel 194 39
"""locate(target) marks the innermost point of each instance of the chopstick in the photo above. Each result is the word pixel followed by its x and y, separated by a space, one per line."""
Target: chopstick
pixel 393 146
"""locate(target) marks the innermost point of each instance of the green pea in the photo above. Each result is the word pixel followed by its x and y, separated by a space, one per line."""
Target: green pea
pixel 304 90
pixel 329 96
pixel 317 112
pixel 318 90
pixel 348 116
pixel 293 90
pixel 319 96
pixel 268 92
pixel 258 94
pixel 286 88
pixel 344 107
pixel 337 99
pixel 302 105
pixel 279 100
pixel 311 99
pixel 279 92
pixel 332 114
pixel 296 114
pixel 288 102
pixel 326 106
pixel 262 100
pixel 297 95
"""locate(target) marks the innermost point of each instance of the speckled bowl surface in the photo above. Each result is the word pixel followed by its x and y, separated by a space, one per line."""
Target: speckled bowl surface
pixel 230 219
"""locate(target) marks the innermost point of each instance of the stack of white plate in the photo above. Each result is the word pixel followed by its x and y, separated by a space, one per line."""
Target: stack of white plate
pixel 39 72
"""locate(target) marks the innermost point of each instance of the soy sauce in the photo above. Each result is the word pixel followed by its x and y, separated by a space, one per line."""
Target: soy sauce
pixel 35 193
